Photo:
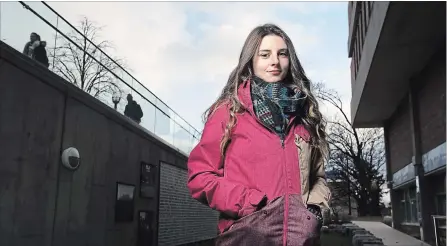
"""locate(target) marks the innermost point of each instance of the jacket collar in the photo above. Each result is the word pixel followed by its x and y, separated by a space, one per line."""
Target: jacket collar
pixel 244 95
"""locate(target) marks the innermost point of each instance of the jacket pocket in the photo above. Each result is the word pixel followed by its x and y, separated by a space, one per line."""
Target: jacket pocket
pixel 261 228
pixel 303 224
pixel 262 211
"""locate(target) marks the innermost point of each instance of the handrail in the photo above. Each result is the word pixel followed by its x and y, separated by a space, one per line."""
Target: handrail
pixel 436 227
pixel 195 133
pixel 117 64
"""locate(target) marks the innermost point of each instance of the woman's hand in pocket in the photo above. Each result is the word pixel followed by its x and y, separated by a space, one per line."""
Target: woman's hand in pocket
pixel 316 211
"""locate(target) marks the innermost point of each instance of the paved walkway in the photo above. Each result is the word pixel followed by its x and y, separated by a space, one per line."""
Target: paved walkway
pixel 389 235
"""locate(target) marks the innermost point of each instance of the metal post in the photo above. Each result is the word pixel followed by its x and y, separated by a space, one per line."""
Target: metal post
pixel 55 41
pixel 436 230
pixel 349 187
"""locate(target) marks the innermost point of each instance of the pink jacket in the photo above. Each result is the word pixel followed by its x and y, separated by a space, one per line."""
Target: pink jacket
pixel 257 166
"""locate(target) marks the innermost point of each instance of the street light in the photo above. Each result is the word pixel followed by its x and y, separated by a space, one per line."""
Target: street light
pixel 116 97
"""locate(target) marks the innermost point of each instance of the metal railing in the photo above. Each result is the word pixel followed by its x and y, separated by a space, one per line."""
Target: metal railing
pixel 439 225
pixel 44 20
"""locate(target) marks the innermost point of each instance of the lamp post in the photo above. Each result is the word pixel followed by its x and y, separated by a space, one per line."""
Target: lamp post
pixel 374 185
pixel 116 97
pixel 374 188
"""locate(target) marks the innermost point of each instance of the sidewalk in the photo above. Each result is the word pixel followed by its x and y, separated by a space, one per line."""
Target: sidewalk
pixel 389 235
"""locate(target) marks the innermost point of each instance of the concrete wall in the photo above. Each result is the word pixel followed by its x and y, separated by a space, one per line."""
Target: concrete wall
pixel 432 103
pixel 85 198
pixel 31 116
pixel 432 115
pixel 399 131
pixel 43 203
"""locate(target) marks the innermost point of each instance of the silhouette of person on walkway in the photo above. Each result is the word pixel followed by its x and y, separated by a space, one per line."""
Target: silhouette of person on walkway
pixel 133 110
pixel 35 49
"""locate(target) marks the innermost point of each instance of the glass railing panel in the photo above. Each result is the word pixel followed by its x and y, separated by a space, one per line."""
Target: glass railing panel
pixel 64 45
pixel 164 126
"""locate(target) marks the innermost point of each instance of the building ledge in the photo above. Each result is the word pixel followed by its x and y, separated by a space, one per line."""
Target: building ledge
pixel 401 39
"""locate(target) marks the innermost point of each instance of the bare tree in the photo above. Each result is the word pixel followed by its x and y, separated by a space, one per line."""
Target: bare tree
pixel 78 66
pixel 356 160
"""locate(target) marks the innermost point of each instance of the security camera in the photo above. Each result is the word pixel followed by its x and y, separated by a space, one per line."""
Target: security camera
pixel 71 158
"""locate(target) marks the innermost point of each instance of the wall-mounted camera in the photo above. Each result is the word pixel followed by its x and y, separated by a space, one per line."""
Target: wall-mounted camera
pixel 70 158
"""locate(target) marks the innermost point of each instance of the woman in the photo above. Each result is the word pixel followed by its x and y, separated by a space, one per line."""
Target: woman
pixel 260 159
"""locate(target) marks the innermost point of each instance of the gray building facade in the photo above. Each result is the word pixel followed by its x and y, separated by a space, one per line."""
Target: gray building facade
pixel 129 188
pixel 398 81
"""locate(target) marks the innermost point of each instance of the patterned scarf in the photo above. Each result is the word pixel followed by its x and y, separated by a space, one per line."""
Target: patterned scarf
pixel 273 103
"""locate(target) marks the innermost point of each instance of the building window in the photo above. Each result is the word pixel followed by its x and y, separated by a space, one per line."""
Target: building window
pixel 438 182
pixel 364 20
pixel 360 30
pixel 366 13
pixel 440 204
pixel 357 50
pixel 356 59
pixel 413 204
pixel 350 5
pixel 370 7
pixel 409 205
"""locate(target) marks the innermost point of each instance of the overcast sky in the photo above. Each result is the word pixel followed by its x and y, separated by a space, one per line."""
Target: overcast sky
pixel 184 52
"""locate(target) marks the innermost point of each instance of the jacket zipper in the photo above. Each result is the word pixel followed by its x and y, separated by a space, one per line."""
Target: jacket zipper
pixel 281 136
pixel 286 203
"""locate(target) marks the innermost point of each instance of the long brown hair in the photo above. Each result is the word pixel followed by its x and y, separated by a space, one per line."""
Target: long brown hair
pixel 311 118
